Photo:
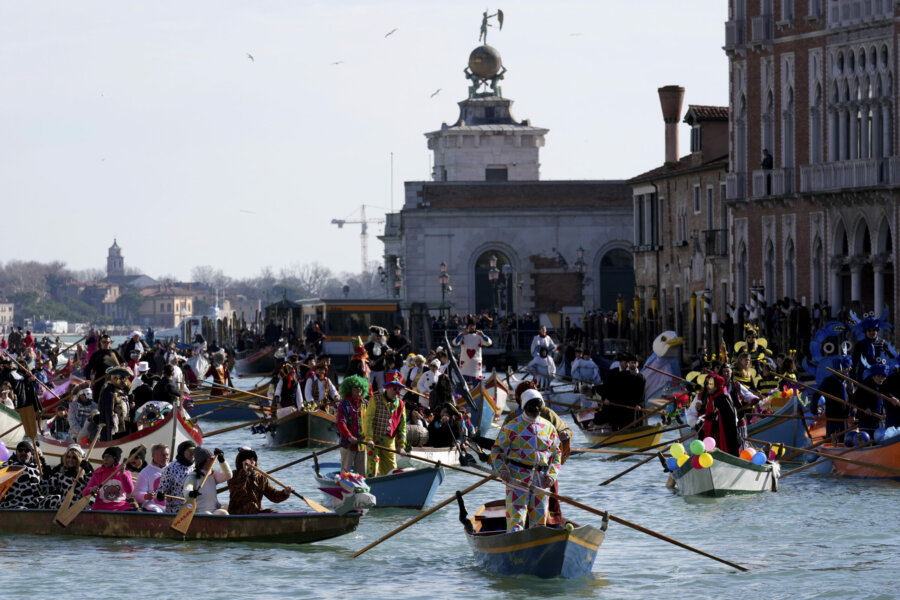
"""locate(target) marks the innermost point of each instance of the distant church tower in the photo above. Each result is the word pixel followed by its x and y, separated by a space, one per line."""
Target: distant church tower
pixel 486 143
pixel 115 262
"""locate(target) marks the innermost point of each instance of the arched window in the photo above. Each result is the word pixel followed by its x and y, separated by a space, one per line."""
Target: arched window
pixel 493 292
pixel 818 272
pixel 742 282
pixel 616 277
pixel 790 270
pixel 769 272
pixel 787 138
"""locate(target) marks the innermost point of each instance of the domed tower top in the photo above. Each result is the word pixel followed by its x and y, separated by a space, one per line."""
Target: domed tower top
pixel 115 262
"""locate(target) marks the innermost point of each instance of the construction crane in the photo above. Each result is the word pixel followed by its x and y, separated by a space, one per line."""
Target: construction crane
pixel 364 236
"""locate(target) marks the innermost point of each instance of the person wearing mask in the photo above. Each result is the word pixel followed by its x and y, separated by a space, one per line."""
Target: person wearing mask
pixel 149 478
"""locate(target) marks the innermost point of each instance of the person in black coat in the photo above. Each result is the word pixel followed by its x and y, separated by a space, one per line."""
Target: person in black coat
pixel 837 387
pixel 165 389
pixel 622 386
pixel 102 359
pixel 869 401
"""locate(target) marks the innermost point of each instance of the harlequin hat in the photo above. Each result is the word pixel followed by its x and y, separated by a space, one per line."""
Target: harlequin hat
pixel 530 397
pixel 393 379
pixel 359 349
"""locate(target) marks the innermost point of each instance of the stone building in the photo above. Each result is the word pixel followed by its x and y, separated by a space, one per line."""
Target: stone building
pixel 507 241
pixel 7 315
pixel 812 82
pixel 681 226
pixel 115 270
pixel 165 306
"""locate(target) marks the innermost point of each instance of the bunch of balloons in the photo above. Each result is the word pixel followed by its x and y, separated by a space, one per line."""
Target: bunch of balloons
pixel 751 455
pixel 698 453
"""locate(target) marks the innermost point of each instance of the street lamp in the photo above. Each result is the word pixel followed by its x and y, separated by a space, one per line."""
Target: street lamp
pixel 493 276
pixel 444 279
pixel 398 276
pixel 382 275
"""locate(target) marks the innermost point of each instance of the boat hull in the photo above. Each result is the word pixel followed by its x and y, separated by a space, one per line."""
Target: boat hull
pixel 406 489
pixel 789 432
pixel 445 456
pixel 883 454
pixel 302 429
pixel 638 437
pixel 284 528
pixel 261 361
pixel 9 419
pixel 226 408
pixel 727 475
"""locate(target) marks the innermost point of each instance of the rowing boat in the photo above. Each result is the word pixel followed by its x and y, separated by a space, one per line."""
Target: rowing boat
pixel 171 431
pixel 445 456
pixel 232 406
pixel 633 437
pixel 887 454
pixel 727 475
pixel 261 361
pixel 403 488
pixel 283 528
pixel 304 429
pixel 9 419
pixel 788 431
pixel 568 550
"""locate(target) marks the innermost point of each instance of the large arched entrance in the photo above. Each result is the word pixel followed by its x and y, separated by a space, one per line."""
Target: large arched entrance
pixel 616 277
pixel 493 283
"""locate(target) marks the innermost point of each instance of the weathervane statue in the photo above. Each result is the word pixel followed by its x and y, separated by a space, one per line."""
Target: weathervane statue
pixel 485 65
pixel 485 18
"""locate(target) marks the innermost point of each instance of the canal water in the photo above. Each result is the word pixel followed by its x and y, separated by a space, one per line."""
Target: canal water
pixel 817 537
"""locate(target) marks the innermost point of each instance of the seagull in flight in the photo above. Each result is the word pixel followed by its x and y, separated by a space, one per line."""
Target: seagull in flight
pixel 249 212
pixel 391 31
pixel 435 92
pixel 250 56
pixel 338 62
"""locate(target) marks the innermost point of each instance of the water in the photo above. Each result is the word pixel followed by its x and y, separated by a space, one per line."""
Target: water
pixel 817 537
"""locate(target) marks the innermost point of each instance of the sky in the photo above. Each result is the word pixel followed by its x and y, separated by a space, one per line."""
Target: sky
pixel 149 123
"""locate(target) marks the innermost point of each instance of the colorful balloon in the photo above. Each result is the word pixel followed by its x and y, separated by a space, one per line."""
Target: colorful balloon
pixel 709 443
pixel 759 459
pixel 672 463
pixel 705 460
pixel 677 450
pixel 748 453
pixel 4 452
pixel 682 459
pixel 697 447
pixel 773 454
pixel 695 462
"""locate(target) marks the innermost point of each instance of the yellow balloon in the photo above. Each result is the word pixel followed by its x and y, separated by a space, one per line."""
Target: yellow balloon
pixel 677 450
pixel 706 460
pixel 682 459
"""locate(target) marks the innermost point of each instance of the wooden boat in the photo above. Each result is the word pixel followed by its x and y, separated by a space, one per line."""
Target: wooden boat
pixel 171 431
pixel 8 421
pixel 634 437
pixel 727 475
pixel 282 528
pixel 260 361
pixel 565 551
pixel 789 431
pixel 445 456
pixel 303 429
pixel 227 407
pixel 887 454
pixel 406 488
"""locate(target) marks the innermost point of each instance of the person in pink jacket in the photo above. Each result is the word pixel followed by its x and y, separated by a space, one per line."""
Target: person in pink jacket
pixel 113 494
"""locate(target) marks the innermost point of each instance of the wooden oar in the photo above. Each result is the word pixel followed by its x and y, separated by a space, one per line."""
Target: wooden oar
pixel 11 429
pixel 659 445
pixel 233 427
pixel 182 521
pixel 635 437
pixel 418 518
pixel 294 462
pixel 29 423
pixel 225 387
pixel 41 383
pixel 861 386
pixel 575 503
pixel 818 461
pixel 828 438
pixel 632 468
pixel 312 503
pixel 78 507
pixel 67 500
pixel 829 396
pixel 852 461
pixel 606 451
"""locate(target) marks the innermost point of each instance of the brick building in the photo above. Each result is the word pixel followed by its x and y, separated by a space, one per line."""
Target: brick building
pixel 681 227
pixel 812 82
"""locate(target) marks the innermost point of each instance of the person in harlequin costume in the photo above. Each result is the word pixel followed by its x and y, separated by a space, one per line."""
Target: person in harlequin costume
pixel 471 340
pixel 384 424
pixel 867 350
pixel 720 419
pixel 527 451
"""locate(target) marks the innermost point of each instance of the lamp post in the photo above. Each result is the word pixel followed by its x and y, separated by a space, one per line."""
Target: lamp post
pixel 507 271
pixel 444 279
pixel 382 275
pixel 398 277
pixel 493 276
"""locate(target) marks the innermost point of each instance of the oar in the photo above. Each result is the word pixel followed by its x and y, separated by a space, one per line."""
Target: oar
pixel 852 461
pixel 818 461
pixel 641 419
pixel 659 445
pixel 828 438
pixel 67 501
pixel 42 384
pixel 182 521
pixel 605 451
pixel 575 503
pixel 29 423
pixel 312 503
pixel 829 396
pixel 632 468
pixel 233 427
pixel 420 394
pixel 861 386
pixel 418 518
pixel 78 507
pixel 225 387
pixel 11 429
pixel 294 462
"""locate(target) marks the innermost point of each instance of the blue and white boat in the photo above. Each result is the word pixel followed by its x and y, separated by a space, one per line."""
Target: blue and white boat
pixel 404 488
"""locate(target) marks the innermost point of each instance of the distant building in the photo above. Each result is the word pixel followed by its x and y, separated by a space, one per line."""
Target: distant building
pixel 115 270
pixel 165 306
pixel 7 315
pixel 681 226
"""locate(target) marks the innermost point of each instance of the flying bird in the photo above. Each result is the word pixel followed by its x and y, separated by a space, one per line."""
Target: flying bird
pixel 249 212
pixel 250 56
pixel 391 31
pixel 338 62
pixel 435 92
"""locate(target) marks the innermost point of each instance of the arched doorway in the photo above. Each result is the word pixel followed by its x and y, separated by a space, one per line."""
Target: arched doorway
pixel 493 293
pixel 616 277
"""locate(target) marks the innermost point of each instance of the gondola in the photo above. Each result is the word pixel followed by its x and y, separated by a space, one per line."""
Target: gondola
pixel 303 429
pixel 633 437
pixel 887 453
pixel 404 488
pixel 727 475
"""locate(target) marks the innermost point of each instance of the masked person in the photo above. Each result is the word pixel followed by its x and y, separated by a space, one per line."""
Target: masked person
pixel 350 423
pixel 527 452
pixel 384 424
pixel 29 490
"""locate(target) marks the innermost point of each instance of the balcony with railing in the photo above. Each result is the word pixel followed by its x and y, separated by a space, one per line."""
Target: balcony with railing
pixel 734 33
pixel 735 186
pixel 715 242
pixel 849 174
pixel 772 182
pixel 849 13
pixel 762 29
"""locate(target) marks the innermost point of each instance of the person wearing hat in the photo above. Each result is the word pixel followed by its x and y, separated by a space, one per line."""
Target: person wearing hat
pixel 408 365
pixel 542 340
pixel 171 479
pixel 149 478
pixel 719 419
pixel 428 380
pixel 380 355
pixel 471 340
pixel 768 381
pixel 354 390
pixel 204 461
pixel 219 373
pixel 868 350
pixel 319 391
pixel 624 385
pixel 63 475
pixel 870 401
pixel 398 342
pixel 288 396
pixel 837 414
pixel 114 403
pixel 359 361
pixel 527 452
pixel 134 344
pixel 29 490
pixel 247 486
pixel 542 368
pixel 101 359
pixel 133 360
pixel 142 386
pixel 752 344
pixel 113 494
pixel 384 424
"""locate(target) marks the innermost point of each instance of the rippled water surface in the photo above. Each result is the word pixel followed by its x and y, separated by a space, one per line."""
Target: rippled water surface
pixel 817 537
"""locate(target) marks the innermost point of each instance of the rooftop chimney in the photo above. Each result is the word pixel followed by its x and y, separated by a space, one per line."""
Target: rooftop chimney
pixel 671 98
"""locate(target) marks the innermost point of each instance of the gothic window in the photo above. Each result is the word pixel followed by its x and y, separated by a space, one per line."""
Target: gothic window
pixel 815 127
pixel 742 282
pixel 787 149
pixel 790 270
pixel 818 272
pixel 769 272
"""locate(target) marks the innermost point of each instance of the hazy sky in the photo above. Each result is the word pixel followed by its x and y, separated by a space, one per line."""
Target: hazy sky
pixel 148 122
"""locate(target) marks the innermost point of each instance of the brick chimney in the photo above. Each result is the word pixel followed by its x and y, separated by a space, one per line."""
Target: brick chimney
pixel 671 98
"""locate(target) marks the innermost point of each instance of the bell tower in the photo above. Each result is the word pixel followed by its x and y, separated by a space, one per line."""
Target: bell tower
pixel 115 262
